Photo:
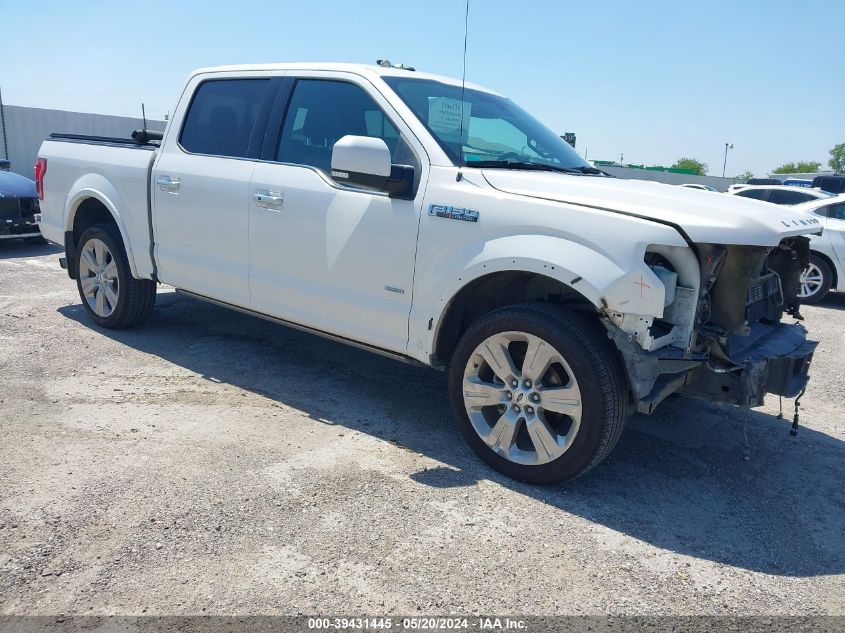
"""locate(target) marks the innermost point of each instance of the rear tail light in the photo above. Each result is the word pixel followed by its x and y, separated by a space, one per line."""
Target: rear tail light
pixel 40 170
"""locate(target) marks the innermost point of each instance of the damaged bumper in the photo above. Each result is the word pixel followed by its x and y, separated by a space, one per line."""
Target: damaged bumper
pixel 774 358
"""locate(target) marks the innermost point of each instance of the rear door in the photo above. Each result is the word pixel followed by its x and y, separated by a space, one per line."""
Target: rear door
pixel 333 257
pixel 201 185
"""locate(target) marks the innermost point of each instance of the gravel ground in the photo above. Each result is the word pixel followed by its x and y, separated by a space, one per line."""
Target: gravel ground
pixel 214 463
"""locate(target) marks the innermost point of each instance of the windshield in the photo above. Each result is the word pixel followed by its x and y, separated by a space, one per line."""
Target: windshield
pixel 495 129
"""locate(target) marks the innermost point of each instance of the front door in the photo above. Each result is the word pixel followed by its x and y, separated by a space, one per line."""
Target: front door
pixel 335 258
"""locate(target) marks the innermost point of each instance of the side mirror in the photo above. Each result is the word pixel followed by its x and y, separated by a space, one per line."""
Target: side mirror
pixel 365 161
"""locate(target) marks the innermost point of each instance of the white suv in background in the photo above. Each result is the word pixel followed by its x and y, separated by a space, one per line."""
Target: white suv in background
pixel 780 194
pixel 826 271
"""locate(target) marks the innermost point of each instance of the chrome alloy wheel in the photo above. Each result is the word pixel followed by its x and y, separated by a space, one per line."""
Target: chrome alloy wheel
pixel 811 280
pixel 522 398
pixel 98 277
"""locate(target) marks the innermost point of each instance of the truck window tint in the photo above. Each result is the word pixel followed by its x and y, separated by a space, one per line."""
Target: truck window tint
pixel 322 112
pixel 782 196
pixel 222 116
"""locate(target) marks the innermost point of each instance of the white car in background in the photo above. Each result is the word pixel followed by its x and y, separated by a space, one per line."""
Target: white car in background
pixel 780 194
pixel 826 271
pixel 693 185
pixel 737 187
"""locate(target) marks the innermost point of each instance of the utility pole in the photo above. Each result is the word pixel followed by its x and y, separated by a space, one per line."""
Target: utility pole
pixel 3 127
pixel 725 164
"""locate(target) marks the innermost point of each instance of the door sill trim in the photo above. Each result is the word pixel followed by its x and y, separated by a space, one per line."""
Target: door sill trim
pixel 304 328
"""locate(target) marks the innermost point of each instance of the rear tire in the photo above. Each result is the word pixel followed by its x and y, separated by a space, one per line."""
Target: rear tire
pixel 109 293
pixel 816 280
pixel 539 392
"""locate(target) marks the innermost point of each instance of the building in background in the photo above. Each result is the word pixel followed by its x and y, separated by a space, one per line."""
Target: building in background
pixel 25 128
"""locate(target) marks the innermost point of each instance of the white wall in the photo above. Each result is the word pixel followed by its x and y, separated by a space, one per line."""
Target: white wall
pixel 26 128
pixel 721 184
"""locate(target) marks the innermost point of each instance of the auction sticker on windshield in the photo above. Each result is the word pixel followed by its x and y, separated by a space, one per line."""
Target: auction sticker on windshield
pixel 444 118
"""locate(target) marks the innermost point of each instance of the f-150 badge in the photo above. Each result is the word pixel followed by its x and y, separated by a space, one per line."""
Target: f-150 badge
pixel 453 213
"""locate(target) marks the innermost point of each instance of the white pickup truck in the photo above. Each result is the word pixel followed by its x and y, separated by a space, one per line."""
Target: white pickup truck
pixel 441 224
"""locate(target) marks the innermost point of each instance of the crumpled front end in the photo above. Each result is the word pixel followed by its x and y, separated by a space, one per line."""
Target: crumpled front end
pixel 722 335
pixel 751 352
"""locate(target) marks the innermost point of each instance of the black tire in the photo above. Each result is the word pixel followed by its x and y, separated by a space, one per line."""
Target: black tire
pixel 827 280
pixel 136 297
pixel 596 366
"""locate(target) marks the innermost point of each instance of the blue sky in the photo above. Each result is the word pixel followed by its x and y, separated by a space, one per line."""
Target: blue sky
pixel 653 80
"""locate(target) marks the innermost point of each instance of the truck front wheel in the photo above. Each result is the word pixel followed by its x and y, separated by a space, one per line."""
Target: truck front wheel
pixel 109 293
pixel 539 392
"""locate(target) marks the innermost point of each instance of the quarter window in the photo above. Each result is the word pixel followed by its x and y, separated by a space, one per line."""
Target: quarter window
pixel 221 118
pixel 321 112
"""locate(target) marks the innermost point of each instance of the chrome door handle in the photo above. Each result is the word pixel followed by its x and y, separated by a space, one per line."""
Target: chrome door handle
pixel 269 199
pixel 167 183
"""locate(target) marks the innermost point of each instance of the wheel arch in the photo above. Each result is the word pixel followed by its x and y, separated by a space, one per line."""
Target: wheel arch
pixel 483 294
pixel 507 270
pixel 93 200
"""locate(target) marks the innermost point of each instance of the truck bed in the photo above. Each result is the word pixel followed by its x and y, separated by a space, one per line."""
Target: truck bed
pixel 114 171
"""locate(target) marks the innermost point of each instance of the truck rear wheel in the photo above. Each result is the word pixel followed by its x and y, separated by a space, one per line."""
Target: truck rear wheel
pixel 109 293
pixel 539 392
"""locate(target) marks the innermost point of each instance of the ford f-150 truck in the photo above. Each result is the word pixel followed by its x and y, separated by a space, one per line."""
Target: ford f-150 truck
pixel 439 223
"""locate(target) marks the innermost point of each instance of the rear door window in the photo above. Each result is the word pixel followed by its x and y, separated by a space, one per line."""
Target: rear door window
pixel 222 117
pixel 784 196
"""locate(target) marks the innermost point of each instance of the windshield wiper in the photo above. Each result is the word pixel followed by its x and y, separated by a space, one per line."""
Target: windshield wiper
pixel 586 169
pixel 514 164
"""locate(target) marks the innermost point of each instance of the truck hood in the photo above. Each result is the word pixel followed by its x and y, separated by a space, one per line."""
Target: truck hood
pixel 704 216
pixel 15 186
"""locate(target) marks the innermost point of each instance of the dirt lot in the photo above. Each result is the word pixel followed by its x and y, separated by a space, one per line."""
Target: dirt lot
pixel 214 463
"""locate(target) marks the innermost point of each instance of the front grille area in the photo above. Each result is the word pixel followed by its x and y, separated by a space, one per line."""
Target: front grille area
pixel 765 299
pixel 17 209
pixel 10 209
pixel 17 215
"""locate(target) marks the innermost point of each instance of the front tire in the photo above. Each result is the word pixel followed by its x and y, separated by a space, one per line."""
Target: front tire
pixel 109 293
pixel 539 392
pixel 816 280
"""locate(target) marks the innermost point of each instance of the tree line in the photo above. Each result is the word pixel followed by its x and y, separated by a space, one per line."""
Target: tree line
pixel 836 163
